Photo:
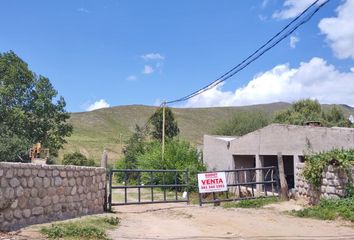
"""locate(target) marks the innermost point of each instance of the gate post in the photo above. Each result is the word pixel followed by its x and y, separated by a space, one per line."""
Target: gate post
pixel 110 192
pixel 187 184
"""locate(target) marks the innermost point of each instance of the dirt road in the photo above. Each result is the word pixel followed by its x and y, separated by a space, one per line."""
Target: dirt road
pixel 180 221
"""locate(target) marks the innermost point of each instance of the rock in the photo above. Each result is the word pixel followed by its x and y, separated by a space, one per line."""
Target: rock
pixel 73 190
pixel 41 173
pixel 34 172
pixel 49 173
pixel 14 204
pixel 63 174
pixel 26 213
pixel 22 202
pixel 55 199
pixel 46 182
pixel 23 182
pixel 34 192
pixel 57 181
pixel 14 182
pixel 27 172
pixel 4 183
pixel 9 173
pixel 55 173
pixel 30 182
pixel 46 201
pixel 52 191
pixel 330 190
pixel 8 215
pixel 18 214
pixel 9 193
pixel 42 193
pixel 19 191
pixel 72 182
pixel 37 211
pixel 38 182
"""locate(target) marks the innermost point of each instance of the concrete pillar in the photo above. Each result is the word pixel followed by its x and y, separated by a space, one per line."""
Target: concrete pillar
pixel 259 173
pixel 104 159
pixel 296 161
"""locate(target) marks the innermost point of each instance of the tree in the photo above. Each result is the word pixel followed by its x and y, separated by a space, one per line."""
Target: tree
pixel 243 122
pixel 171 127
pixel 300 112
pixel 335 117
pixel 306 110
pixel 77 159
pixel 134 147
pixel 179 155
pixel 28 111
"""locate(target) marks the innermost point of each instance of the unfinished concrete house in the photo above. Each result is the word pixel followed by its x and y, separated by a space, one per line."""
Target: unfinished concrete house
pixel 260 148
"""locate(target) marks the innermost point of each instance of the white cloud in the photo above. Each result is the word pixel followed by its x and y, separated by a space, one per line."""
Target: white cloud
pixel 262 17
pixel 83 10
pixel 153 56
pixel 352 69
pixel 339 30
pixel 97 105
pixel 315 79
pixel 264 3
pixel 148 69
pixel 132 78
pixel 292 8
pixel 293 41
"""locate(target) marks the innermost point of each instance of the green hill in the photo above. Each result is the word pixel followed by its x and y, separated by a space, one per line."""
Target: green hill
pixel 109 127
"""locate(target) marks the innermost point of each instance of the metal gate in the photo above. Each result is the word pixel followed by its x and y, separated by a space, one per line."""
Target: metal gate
pixel 245 183
pixel 134 186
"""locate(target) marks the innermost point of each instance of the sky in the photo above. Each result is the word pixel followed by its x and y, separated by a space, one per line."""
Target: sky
pixel 101 53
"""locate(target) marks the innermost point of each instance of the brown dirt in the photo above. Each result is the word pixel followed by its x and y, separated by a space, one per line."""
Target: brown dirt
pixel 181 221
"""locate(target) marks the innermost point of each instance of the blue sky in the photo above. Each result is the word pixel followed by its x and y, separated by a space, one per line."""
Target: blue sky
pixel 109 52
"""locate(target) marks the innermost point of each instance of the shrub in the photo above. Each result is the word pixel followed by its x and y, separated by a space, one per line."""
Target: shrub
pixel 251 203
pixel 91 228
pixel 329 210
pixel 178 155
pixel 243 122
pixel 77 159
pixel 315 164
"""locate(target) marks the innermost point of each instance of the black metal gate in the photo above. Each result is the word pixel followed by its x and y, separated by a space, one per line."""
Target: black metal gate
pixel 134 186
pixel 244 184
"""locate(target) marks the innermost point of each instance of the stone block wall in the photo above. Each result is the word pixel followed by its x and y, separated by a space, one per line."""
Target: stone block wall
pixel 32 194
pixel 334 182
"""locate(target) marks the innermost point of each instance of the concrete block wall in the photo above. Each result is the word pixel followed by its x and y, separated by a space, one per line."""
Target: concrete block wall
pixel 334 182
pixel 32 194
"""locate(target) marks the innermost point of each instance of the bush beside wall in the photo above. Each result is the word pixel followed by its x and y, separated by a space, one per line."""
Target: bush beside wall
pixel 333 184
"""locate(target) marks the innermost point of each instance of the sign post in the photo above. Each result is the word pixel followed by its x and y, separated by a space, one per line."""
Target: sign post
pixel 211 182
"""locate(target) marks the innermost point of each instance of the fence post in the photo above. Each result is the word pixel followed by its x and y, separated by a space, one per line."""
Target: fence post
pixel 283 183
pixel 110 192
pixel 104 161
pixel 187 183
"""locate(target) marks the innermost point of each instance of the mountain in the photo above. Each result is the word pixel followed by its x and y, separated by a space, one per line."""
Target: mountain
pixel 110 127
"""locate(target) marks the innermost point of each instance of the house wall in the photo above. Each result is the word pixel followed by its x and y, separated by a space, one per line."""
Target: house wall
pixel 216 154
pixel 292 140
pixel 32 194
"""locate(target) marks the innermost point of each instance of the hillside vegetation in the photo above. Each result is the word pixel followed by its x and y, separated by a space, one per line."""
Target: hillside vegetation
pixel 109 127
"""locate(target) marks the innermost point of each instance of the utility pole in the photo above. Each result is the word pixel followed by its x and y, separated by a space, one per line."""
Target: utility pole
pixel 120 142
pixel 163 130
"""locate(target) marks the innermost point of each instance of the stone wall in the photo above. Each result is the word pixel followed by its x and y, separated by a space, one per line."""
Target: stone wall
pixel 334 182
pixel 32 194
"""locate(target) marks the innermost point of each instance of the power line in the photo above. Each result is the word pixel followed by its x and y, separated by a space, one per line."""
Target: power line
pixel 259 52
